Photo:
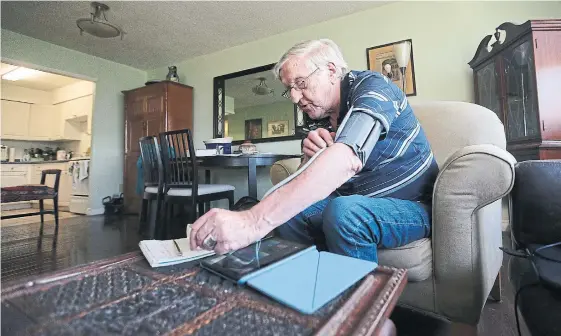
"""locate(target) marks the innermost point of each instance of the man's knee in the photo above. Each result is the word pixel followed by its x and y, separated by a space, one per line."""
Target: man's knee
pixel 341 218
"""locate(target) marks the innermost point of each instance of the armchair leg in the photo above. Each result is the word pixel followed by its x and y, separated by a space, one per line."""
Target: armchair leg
pixel 461 329
pixel 495 294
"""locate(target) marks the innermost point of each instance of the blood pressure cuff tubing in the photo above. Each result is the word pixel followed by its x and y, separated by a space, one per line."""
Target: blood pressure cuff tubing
pixel 360 130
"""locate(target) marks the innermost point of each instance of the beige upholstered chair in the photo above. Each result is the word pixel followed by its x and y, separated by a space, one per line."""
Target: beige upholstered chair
pixel 452 273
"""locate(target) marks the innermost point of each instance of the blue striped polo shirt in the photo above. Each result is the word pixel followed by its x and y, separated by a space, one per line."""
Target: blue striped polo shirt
pixel 402 163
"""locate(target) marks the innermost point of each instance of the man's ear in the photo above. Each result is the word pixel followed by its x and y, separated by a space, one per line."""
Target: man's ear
pixel 332 72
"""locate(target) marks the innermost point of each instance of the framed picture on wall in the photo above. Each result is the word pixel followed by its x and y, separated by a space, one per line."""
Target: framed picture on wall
pixel 382 59
pixel 277 128
pixel 253 129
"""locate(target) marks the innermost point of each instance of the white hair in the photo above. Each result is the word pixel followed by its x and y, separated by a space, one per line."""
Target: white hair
pixel 318 52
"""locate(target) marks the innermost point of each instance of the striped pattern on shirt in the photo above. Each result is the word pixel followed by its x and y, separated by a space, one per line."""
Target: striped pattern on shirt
pixel 402 164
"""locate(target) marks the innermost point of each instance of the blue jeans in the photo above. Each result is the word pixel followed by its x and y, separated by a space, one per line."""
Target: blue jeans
pixel 357 226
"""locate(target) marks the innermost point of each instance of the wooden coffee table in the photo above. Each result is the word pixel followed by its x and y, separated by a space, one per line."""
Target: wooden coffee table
pixel 125 296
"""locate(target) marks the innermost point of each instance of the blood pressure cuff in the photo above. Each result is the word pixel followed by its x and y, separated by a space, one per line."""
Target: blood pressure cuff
pixel 360 130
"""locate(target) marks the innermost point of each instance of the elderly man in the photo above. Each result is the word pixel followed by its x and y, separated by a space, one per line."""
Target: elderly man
pixel 360 193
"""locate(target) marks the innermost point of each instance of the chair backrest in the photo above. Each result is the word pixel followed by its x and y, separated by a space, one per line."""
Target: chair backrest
pixel 180 165
pixel 55 172
pixel 450 126
pixel 152 167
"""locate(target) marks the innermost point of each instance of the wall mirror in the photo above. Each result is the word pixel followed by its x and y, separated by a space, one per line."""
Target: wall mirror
pixel 248 105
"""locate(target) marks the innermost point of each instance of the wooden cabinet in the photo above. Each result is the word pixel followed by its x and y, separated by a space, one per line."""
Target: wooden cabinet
pixel 150 110
pixel 14 174
pixel 520 80
pixel 15 119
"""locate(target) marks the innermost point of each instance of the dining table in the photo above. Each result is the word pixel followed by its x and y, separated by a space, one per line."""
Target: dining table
pixel 250 161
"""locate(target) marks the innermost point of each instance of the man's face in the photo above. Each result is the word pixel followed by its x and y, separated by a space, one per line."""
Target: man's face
pixel 316 99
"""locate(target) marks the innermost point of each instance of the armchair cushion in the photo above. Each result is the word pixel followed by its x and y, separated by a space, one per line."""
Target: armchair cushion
pixel 415 257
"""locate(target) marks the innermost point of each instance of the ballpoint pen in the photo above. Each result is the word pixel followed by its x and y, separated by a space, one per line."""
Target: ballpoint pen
pixel 177 247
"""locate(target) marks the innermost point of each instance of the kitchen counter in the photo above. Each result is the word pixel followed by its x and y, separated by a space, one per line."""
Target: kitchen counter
pixel 42 162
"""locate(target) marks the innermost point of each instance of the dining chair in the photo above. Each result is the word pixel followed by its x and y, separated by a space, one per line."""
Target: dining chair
pixel 181 180
pixel 153 176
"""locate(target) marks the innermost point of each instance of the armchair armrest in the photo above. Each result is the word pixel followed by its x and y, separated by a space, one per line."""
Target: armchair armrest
pixel 466 232
pixel 283 168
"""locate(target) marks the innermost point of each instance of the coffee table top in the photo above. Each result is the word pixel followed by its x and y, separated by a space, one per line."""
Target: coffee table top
pixel 125 296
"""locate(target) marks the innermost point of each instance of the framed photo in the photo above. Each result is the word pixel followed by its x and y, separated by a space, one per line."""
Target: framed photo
pixel 277 128
pixel 253 129
pixel 381 59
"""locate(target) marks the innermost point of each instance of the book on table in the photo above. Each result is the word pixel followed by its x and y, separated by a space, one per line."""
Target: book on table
pixel 165 252
pixel 293 274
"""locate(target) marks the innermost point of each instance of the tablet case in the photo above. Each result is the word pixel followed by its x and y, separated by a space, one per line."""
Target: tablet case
pixel 309 279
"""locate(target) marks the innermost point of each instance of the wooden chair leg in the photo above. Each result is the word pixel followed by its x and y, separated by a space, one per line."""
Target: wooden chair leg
pixel 55 204
pixel 231 200
pixel 496 290
pixel 143 216
pixel 42 210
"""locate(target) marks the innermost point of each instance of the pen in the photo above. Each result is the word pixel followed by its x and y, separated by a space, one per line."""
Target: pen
pixel 177 247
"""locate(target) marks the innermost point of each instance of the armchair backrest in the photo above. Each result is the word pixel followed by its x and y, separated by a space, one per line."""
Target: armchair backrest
pixel 450 126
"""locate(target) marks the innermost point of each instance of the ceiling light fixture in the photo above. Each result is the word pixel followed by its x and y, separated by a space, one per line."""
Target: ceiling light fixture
pixel 262 89
pixel 97 25
pixel 19 73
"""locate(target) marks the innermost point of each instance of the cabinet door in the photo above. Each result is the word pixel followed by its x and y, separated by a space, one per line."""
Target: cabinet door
pixel 43 122
pixel 487 88
pixel 12 179
pixel 520 98
pixel 15 119
pixel 136 129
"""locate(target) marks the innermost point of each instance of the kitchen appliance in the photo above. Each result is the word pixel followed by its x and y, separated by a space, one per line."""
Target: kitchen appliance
pixel 12 154
pixel 61 155
pixel 79 197
pixel 3 153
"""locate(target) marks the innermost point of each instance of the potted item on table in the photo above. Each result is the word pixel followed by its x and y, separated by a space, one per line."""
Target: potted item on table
pixel 248 148
pixel 221 145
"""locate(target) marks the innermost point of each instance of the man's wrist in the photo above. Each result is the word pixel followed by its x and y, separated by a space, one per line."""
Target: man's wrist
pixel 263 225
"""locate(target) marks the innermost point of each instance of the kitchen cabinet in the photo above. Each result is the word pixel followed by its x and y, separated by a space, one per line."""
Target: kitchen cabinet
pixel 150 110
pixel 15 119
pixel 44 123
pixel 14 174
pixel 77 108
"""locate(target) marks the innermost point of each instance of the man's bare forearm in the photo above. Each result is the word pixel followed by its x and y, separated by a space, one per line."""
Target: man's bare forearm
pixel 330 170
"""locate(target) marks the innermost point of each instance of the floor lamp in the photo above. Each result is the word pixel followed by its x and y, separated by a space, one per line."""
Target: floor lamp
pixel 402 53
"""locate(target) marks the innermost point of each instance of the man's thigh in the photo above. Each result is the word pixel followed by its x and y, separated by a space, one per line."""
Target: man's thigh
pixel 375 222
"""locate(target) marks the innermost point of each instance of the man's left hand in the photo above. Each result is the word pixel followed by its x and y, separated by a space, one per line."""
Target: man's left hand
pixel 231 230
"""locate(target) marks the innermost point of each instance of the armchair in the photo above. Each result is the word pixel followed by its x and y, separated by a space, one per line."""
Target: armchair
pixel 452 273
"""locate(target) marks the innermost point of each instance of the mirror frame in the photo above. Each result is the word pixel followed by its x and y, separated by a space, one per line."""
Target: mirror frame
pixel 219 109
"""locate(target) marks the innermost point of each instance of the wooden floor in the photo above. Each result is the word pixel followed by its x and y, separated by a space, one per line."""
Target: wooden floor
pixel 85 239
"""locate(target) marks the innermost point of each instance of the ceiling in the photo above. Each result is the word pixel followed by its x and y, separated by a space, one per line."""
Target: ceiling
pixel 160 33
pixel 239 88
pixel 40 80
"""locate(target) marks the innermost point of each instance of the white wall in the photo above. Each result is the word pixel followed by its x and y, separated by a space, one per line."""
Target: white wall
pixel 445 36
pixel 108 117
pixel 73 91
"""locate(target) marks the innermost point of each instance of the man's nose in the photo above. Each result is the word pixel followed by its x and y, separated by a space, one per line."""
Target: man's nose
pixel 295 95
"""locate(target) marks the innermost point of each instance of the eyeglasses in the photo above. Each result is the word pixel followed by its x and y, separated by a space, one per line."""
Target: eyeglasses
pixel 299 84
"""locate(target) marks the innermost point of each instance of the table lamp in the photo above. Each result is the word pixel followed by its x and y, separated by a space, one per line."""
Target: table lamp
pixel 402 53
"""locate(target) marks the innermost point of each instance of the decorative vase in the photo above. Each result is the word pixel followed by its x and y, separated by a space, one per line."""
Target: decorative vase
pixel 172 74
pixel 248 148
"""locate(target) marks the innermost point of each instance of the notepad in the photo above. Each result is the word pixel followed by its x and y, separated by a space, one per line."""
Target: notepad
pixel 164 252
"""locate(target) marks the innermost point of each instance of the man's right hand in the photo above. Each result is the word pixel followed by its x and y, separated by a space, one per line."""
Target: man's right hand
pixel 316 140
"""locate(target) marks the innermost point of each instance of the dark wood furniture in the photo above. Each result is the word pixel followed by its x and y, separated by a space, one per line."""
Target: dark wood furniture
pixel 520 80
pixel 150 110
pixel 124 296
pixel 251 161
pixel 181 180
pixel 33 192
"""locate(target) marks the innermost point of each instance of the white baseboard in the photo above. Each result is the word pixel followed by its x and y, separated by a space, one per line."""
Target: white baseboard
pixel 16 206
pixel 94 212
